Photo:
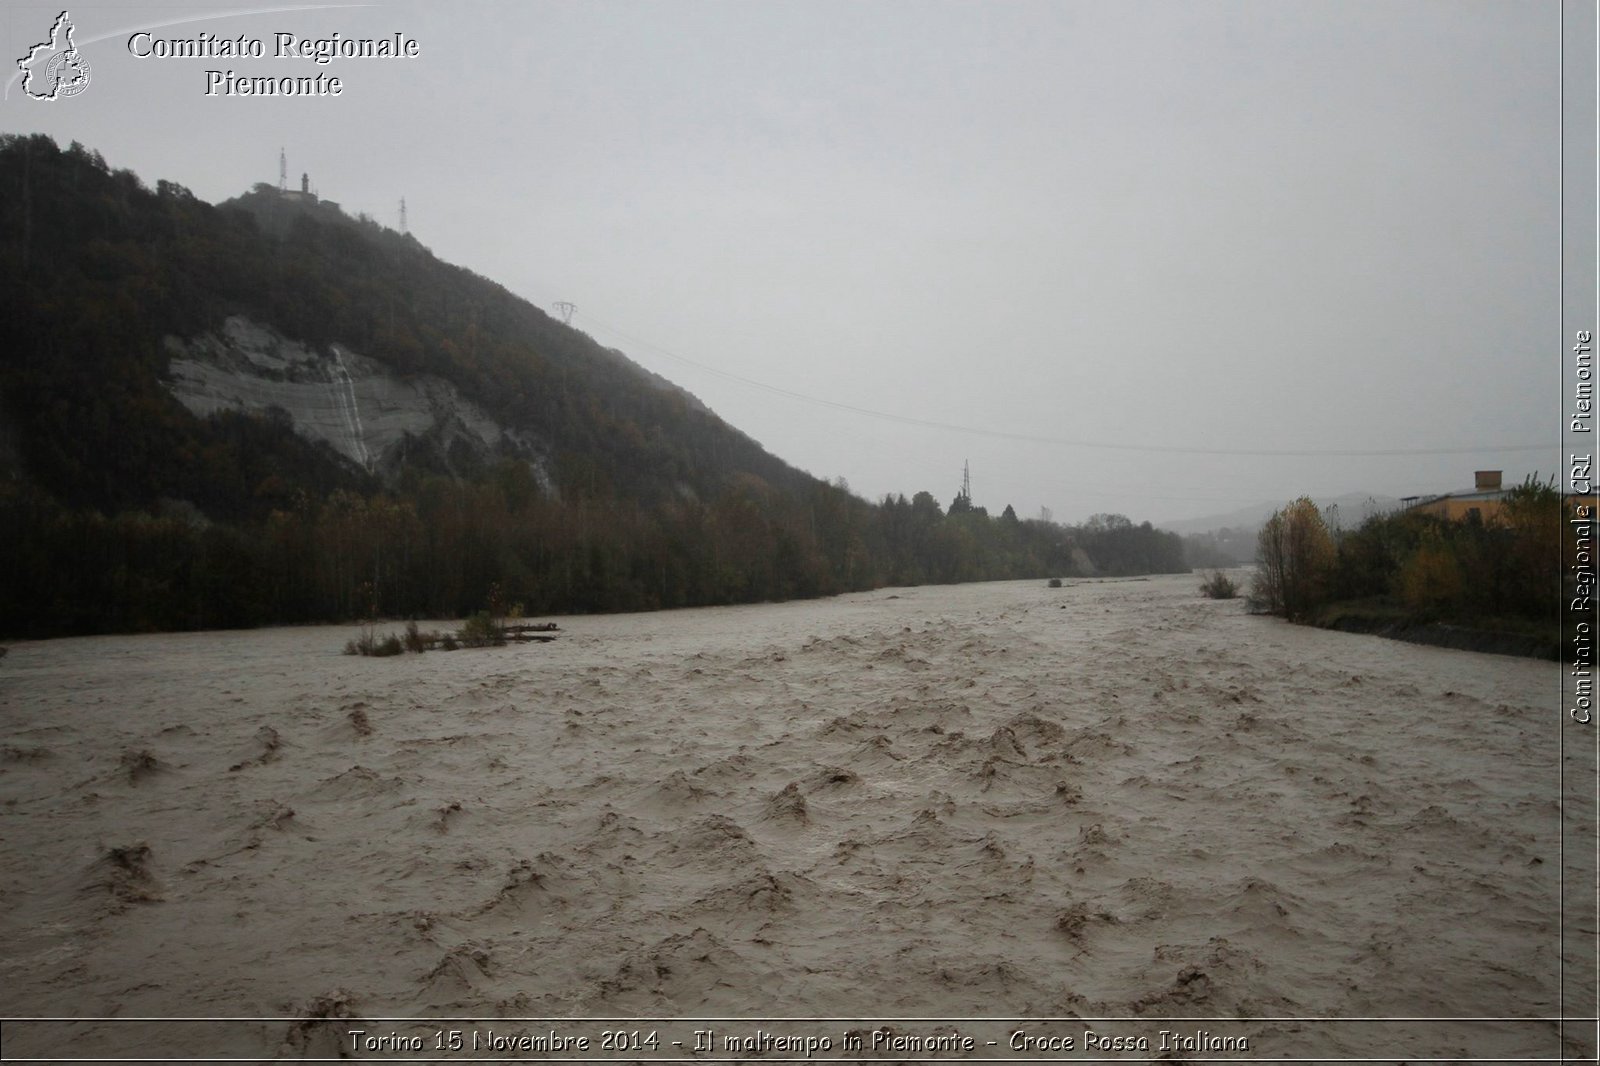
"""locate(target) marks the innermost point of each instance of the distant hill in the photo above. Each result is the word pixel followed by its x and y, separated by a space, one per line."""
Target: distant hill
pixel 1230 539
pixel 1353 509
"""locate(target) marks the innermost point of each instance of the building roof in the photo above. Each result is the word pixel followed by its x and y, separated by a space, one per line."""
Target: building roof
pixel 1467 496
pixel 1472 494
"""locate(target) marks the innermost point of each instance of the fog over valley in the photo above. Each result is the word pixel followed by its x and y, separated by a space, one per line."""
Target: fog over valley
pixel 1164 260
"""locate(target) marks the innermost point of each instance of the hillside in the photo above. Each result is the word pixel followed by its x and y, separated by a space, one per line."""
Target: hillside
pixel 159 296
pixel 267 411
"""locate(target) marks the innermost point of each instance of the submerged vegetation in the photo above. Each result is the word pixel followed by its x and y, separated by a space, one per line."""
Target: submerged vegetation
pixel 1494 583
pixel 489 628
pixel 1219 586
pixel 479 631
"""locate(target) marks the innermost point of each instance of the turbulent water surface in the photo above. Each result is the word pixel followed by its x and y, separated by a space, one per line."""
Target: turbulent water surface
pixel 1112 800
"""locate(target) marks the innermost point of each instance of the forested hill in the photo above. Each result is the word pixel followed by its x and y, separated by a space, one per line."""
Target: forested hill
pixel 267 411
pixel 102 272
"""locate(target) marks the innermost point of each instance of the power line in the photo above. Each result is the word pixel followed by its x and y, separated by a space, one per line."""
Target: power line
pixel 1059 441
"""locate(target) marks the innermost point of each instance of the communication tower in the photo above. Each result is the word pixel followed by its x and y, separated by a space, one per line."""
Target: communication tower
pixel 283 171
pixel 565 309
pixel 403 228
pixel 966 481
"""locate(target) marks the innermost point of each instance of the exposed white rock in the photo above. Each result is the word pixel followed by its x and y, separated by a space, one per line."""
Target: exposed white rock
pixel 352 402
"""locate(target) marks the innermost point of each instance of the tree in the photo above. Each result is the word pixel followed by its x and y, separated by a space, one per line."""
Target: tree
pixel 1295 557
pixel 1531 565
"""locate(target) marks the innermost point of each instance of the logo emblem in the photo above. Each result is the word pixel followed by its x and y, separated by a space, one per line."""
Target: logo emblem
pixel 55 69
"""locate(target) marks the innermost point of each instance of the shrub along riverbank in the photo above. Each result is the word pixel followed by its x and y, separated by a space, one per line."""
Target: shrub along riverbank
pixel 1491 584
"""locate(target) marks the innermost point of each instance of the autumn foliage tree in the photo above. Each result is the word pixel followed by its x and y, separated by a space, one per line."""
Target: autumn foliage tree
pixel 1498 571
pixel 1294 564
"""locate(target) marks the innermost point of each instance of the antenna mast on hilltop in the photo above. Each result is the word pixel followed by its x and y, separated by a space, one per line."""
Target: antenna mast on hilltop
pixel 966 481
pixel 403 228
pixel 283 171
pixel 565 309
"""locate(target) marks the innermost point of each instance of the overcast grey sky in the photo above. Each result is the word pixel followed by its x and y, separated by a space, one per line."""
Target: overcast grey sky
pixel 1115 241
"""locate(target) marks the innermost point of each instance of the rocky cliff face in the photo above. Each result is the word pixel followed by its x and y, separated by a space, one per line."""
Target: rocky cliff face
pixel 353 403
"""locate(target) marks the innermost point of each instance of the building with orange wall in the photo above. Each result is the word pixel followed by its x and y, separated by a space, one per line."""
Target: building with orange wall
pixel 1486 499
